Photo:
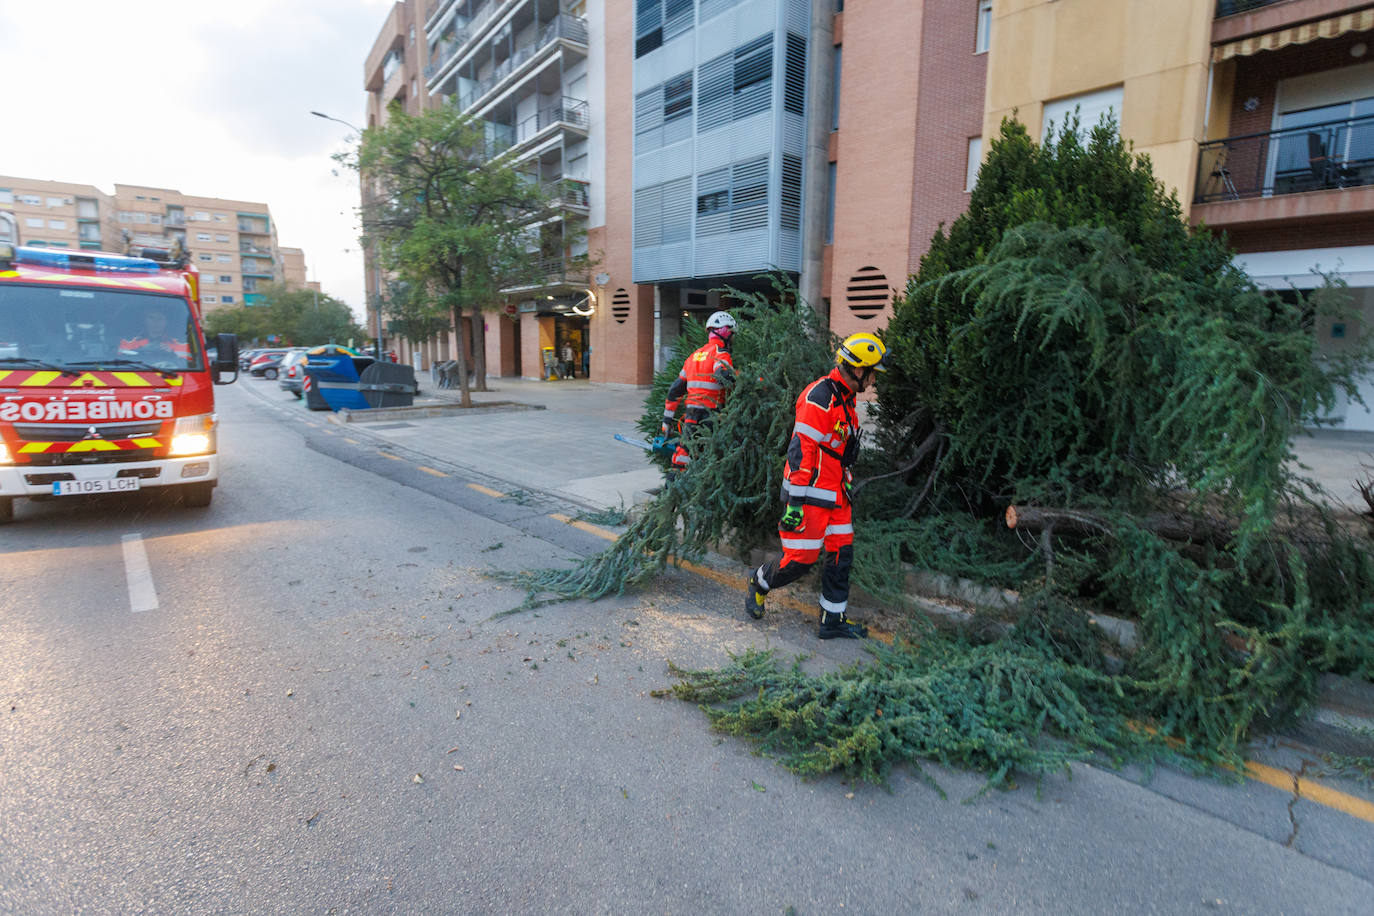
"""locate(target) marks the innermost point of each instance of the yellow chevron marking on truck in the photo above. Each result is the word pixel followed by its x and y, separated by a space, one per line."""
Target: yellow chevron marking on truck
pixel 89 378
pixel 132 379
pixel 93 445
pixel 146 443
pixel 31 448
pixel 39 379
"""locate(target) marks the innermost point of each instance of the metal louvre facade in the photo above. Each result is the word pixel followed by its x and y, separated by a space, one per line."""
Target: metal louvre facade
pixel 719 137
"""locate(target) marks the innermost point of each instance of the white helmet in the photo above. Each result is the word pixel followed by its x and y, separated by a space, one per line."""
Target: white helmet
pixel 720 321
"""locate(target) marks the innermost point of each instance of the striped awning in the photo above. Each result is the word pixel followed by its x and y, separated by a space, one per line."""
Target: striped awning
pixel 1334 27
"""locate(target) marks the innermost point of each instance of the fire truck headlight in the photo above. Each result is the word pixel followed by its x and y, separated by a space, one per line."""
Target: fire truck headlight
pixel 5 454
pixel 194 435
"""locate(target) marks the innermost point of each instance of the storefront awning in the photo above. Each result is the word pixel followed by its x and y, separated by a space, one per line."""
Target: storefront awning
pixel 1334 27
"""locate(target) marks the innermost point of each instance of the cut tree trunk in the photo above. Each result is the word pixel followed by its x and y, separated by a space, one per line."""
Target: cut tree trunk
pixel 1168 525
pixel 460 341
pixel 479 350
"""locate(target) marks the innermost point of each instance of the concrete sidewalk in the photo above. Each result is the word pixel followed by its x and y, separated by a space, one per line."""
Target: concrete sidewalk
pixel 561 439
pixel 556 437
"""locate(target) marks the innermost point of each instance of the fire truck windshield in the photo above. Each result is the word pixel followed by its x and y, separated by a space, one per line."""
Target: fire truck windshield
pixel 56 327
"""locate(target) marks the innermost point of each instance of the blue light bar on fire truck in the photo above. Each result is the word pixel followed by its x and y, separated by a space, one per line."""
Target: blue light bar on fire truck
pixel 75 260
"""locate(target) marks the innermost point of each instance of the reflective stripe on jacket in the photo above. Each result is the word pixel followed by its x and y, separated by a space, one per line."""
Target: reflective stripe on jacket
pixel 826 421
pixel 703 378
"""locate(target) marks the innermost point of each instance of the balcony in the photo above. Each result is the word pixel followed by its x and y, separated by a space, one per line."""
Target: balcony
pixel 1232 7
pixel 551 273
pixel 567 193
pixel 561 27
pixel 249 248
pixel 567 114
pixel 1332 155
pixel 174 219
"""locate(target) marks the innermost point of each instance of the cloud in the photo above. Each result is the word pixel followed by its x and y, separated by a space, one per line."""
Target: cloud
pixel 209 98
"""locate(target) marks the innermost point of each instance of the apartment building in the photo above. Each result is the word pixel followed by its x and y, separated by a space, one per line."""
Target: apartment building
pixel 293 270
pixel 58 214
pixel 694 142
pixel 233 242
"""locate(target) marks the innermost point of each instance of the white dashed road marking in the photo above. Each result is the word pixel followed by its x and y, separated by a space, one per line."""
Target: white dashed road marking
pixel 142 594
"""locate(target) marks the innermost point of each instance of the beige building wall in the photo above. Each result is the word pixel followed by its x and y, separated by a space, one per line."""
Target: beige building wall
pixel 1158 51
pixel 294 273
pixel 60 214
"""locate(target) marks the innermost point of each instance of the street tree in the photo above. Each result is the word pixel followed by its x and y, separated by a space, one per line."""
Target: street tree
pixel 449 217
pixel 298 317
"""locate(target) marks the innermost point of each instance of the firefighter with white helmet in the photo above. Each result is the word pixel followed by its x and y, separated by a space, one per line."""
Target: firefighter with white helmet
pixel 705 377
pixel 820 454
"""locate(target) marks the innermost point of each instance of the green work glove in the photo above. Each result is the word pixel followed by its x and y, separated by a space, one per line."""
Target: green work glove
pixel 791 518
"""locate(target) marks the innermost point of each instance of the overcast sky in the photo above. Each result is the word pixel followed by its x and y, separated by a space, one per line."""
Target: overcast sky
pixel 206 97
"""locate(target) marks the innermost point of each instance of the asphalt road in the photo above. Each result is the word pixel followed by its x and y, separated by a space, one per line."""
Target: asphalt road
pixel 314 712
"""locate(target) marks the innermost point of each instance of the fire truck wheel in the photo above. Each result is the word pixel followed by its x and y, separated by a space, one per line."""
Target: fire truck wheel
pixel 198 495
pixel 6 509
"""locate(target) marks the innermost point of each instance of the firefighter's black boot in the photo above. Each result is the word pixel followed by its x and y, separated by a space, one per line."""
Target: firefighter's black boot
pixel 838 626
pixel 753 601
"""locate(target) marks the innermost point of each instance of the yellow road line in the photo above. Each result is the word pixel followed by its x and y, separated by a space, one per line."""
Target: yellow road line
pixel 494 494
pixel 391 456
pixel 585 526
pixel 350 441
pixel 1312 791
pixel 430 471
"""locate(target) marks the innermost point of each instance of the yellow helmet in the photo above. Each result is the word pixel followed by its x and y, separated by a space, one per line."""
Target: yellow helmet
pixel 862 351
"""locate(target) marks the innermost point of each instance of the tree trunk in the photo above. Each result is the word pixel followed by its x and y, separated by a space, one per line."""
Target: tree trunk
pixel 1167 525
pixel 460 335
pixel 479 349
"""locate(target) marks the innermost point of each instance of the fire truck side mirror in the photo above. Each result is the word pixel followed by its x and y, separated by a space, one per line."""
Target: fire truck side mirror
pixel 226 358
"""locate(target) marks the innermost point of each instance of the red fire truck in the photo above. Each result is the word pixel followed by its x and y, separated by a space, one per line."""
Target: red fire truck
pixel 105 385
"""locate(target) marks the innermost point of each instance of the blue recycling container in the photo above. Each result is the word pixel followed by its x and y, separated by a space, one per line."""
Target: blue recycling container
pixel 342 381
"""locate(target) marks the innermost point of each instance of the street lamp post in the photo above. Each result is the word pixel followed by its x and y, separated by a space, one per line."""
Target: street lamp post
pixel 377 348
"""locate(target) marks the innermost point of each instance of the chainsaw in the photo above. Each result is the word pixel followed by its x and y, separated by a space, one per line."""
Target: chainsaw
pixel 660 446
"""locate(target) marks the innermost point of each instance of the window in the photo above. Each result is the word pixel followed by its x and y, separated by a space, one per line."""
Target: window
pixel 205 257
pixel 663 214
pixel 88 232
pixel 225 258
pixel 1090 108
pixel 208 280
pixel 250 284
pixel 155 219
pixel 975 160
pixel 830 207
pixel 412 34
pixel 791 192
pixel 87 208
pixel 663 114
pixel 202 236
pixel 983 31
pixel 226 278
pixel 57 224
pixel 794 75
pixel 139 216
pixel 227 299
pixel 210 300
pixel 33 200
pixel 735 198
pixel 6 196
pixel 220 217
pixel 835 89
pixel 124 216
pixel 33 222
pixel 56 201
pixel 736 84
pixel 221 237
pixel 200 216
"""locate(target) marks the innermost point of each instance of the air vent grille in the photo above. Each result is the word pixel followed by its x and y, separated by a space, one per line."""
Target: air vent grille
pixel 620 306
pixel 868 292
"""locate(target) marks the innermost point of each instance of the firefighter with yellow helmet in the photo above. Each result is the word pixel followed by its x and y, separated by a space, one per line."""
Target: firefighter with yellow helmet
pixel 819 517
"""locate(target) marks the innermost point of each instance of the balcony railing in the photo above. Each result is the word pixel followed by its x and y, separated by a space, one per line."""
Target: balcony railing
pixel 572 112
pixel 1315 157
pixel 551 272
pixel 567 192
pixel 245 248
pixel 561 26
pixel 1231 7
pixel 174 219
pixel 460 37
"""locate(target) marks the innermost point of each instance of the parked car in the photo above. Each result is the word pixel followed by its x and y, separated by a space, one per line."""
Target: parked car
pixel 265 364
pixel 291 372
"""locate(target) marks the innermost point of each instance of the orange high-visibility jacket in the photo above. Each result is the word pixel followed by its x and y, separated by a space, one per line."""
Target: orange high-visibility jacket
pixel 824 443
pixel 703 379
